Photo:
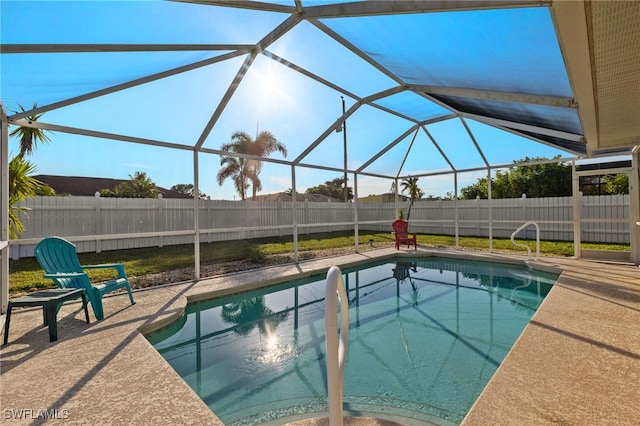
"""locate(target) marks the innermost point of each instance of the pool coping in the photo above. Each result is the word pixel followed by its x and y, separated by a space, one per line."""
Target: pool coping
pixel 107 372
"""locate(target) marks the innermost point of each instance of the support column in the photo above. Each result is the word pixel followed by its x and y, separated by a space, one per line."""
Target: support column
pixel 4 215
pixel 490 200
pixel 455 200
pixel 577 202
pixel 355 211
pixel 196 217
pixel 634 206
pixel 294 214
pixel 396 200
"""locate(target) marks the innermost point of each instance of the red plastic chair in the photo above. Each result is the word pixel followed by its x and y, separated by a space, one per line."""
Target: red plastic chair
pixel 401 231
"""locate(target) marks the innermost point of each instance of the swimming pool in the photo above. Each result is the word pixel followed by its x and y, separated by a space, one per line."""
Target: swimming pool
pixel 426 336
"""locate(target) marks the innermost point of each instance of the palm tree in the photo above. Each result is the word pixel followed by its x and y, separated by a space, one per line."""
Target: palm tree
pixel 21 186
pixel 29 136
pixel 234 167
pixel 410 185
pixel 142 186
pixel 250 313
pixel 243 170
pixel 264 145
pixel 139 186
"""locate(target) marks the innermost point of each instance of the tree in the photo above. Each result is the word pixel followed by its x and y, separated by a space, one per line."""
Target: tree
pixel 250 313
pixel 139 186
pixel 234 168
pixel 610 184
pixel 264 145
pixel 29 136
pixel 188 189
pixel 537 180
pixel 618 184
pixel 410 186
pixel 331 188
pixel 21 186
pixel 242 170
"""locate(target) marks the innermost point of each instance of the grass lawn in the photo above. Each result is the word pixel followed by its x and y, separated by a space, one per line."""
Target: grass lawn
pixel 26 275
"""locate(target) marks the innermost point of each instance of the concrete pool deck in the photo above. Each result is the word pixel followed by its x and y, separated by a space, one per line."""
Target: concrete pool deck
pixel 577 362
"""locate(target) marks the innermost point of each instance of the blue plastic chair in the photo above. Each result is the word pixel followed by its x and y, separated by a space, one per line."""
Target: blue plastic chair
pixel 59 259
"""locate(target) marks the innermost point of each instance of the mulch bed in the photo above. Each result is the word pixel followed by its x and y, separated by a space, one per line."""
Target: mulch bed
pixel 212 270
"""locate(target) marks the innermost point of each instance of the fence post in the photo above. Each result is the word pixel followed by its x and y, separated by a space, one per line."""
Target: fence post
pixel 209 205
pixel 98 219
pixel 524 217
pixel 158 223
pixel 307 213
pixel 277 217
pixel 477 214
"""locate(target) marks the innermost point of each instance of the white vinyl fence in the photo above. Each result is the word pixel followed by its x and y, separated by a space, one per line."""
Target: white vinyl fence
pixel 95 224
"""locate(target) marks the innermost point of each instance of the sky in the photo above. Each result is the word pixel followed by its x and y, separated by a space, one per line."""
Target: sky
pixel 499 50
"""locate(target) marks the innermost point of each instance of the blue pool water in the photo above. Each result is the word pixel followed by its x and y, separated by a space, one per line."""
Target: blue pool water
pixel 426 336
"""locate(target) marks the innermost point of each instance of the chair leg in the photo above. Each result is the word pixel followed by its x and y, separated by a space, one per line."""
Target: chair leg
pixel 96 304
pixel 130 295
pixel 84 306
pixel 7 321
pixel 52 320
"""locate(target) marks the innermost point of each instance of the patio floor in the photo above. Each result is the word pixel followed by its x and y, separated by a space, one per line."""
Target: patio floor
pixel 577 362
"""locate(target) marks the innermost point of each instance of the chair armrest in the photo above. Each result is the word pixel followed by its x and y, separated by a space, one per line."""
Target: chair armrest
pixel 64 275
pixel 118 266
pixel 104 265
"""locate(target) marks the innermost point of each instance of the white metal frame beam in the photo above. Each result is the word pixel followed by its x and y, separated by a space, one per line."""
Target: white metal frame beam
pixel 494 95
pixel 103 48
pixel 362 8
pixel 497 122
pixel 4 212
pixel 244 4
pixel 361 170
pixel 337 88
pixel 98 134
pixel 439 148
pixel 129 84
pixel 399 139
pixel 274 35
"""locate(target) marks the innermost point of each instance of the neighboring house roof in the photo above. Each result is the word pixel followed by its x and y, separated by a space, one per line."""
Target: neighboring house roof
pixel 283 196
pixel 383 198
pixel 88 186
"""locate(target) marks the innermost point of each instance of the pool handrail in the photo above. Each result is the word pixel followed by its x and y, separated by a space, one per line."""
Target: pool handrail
pixel 336 348
pixel 524 245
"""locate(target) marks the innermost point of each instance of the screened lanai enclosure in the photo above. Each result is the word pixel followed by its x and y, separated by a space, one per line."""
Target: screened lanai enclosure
pixel 373 92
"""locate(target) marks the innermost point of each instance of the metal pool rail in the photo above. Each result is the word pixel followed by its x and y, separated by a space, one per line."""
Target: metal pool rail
pixel 524 245
pixel 336 347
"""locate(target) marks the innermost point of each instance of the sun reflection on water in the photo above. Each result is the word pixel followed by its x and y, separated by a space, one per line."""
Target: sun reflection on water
pixel 272 351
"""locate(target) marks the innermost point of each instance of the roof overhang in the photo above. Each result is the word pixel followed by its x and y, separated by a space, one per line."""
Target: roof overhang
pixel 601 45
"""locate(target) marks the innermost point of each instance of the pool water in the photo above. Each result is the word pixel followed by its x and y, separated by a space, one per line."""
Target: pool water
pixel 426 336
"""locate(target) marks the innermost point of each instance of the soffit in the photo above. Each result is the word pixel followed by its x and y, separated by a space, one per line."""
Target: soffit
pixel 601 45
